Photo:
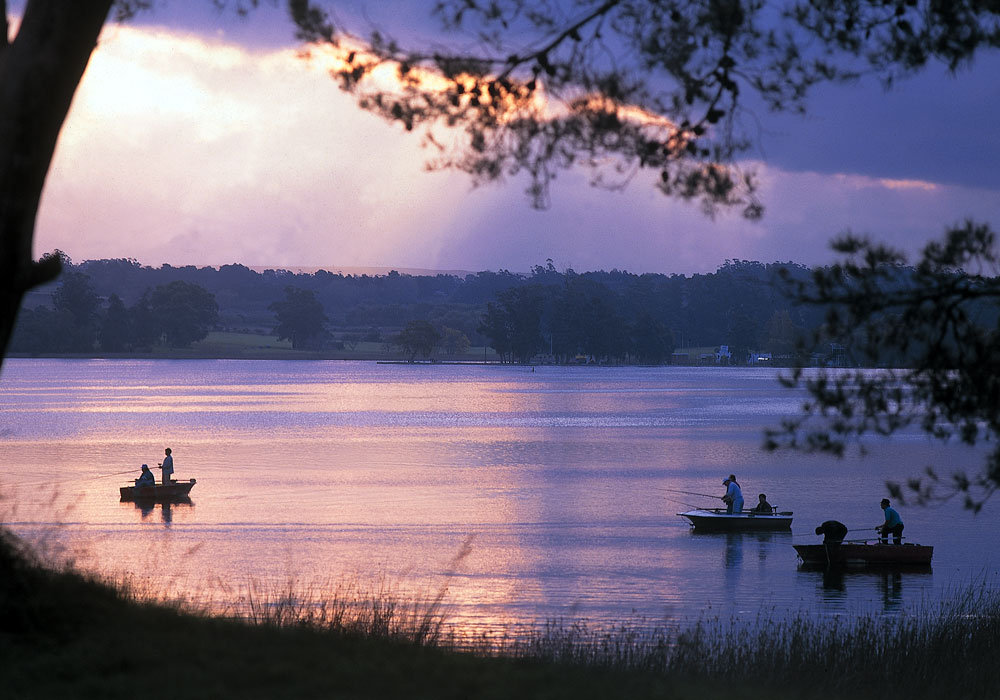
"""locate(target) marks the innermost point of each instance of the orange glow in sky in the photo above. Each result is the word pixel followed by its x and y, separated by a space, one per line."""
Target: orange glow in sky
pixel 192 150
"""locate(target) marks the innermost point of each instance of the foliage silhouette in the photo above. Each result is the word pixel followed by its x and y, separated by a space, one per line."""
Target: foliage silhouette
pixel 418 338
pixel 933 328
pixel 300 319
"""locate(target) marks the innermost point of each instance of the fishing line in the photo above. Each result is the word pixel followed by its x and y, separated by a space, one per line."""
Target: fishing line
pixel 689 493
pixel 687 505
pixel 66 480
pixel 853 529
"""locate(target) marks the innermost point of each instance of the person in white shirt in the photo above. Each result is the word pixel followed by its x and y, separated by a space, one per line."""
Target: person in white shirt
pixel 167 467
pixel 734 495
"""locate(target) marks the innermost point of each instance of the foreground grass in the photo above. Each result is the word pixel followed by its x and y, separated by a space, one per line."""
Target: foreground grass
pixel 65 635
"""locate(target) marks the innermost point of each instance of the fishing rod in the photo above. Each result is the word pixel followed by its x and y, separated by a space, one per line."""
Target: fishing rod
pixel 62 481
pixel 686 505
pixel 689 493
pixel 853 529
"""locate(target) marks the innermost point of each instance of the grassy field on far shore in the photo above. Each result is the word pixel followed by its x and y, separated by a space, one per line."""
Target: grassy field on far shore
pixel 255 346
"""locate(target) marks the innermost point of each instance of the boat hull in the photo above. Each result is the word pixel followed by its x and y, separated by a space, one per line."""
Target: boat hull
pixel 175 490
pixel 711 520
pixel 863 555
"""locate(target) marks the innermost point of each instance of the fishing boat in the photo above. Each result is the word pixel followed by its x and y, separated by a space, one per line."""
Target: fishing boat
pixel 175 490
pixel 865 553
pixel 718 520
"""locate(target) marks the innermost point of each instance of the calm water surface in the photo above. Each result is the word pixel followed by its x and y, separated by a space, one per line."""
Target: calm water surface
pixel 559 481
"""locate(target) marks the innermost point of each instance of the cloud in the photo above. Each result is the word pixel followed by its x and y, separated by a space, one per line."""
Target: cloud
pixel 189 150
pixel 182 148
pixel 933 126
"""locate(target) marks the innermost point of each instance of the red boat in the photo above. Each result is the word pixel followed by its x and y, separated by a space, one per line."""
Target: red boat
pixel 158 492
pixel 861 554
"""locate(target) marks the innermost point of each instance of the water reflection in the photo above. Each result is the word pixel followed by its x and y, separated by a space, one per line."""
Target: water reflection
pixel 833 580
pixel 733 562
pixel 886 585
pixel 892 590
pixel 166 507
pixel 384 470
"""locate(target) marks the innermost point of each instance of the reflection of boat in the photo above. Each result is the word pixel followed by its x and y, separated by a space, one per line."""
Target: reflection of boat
pixel 865 554
pixel 718 520
pixel 173 491
pixel 146 506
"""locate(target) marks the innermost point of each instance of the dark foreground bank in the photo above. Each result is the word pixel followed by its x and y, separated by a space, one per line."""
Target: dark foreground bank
pixel 66 635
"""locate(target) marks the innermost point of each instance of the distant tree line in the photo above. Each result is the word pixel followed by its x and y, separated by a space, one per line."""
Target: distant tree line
pixel 79 321
pixel 607 317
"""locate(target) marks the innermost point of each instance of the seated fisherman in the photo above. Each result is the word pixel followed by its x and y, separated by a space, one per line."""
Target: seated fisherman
pixel 763 507
pixel 146 478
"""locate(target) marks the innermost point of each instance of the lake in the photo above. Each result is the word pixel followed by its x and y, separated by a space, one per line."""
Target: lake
pixel 531 494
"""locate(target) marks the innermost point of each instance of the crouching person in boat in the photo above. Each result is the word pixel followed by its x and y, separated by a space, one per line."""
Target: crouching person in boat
pixel 146 478
pixel 734 495
pixel 762 507
pixel 833 532
pixel 893 524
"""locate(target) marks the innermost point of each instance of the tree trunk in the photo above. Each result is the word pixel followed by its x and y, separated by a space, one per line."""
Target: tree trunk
pixel 39 73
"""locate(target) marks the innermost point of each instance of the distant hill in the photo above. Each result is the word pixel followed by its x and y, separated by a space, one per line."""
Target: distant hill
pixel 360 271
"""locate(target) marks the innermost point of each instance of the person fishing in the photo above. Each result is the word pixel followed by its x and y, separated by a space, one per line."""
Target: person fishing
pixel 893 524
pixel 734 495
pixel 146 478
pixel 167 467
pixel 833 532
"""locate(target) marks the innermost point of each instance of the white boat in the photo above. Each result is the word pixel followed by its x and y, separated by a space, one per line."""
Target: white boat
pixel 718 520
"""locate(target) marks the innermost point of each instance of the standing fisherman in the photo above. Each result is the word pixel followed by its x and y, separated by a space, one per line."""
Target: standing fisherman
pixel 167 467
pixel 734 495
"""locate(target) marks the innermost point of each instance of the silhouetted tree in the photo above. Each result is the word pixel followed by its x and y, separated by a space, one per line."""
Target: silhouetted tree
pixel 418 338
pixel 145 331
pixel 629 84
pixel 495 327
pixel 183 312
pixel 521 311
pixel 115 334
pixel 624 85
pixel 454 341
pixel 938 323
pixel 39 330
pixel 39 71
pixel 652 343
pixel 741 333
pixel 78 305
pixel 300 319
pixel 781 335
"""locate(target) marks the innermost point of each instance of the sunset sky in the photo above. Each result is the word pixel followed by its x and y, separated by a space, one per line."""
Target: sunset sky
pixel 202 138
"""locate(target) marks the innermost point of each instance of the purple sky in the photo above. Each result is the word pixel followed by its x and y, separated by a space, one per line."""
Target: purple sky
pixel 199 138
